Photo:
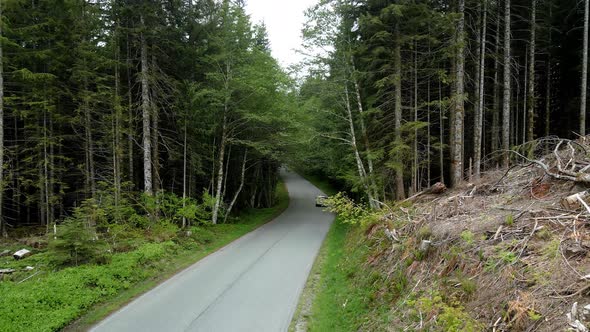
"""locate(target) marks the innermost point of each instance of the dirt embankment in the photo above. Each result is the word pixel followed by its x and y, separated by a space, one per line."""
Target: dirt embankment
pixel 510 252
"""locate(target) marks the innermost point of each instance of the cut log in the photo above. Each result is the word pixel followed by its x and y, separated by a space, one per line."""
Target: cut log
pixel 22 254
pixel 6 271
pixel 576 201
pixel 437 189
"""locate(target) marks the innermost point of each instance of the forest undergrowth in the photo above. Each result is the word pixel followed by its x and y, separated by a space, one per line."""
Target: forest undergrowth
pixel 509 252
pixel 71 277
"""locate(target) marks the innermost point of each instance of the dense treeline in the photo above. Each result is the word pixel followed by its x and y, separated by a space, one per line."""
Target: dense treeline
pixel 407 93
pixel 115 105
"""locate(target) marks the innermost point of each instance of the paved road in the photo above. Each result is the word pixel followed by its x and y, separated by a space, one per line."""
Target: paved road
pixel 253 284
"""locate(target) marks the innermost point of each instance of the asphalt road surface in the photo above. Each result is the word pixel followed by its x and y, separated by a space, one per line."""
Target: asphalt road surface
pixel 253 284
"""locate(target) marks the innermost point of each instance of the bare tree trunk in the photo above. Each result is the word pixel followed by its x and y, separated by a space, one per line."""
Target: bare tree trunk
pixel 130 114
pixel 51 172
pixel 457 157
pixel 45 173
pixel 357 156
pixel 220 170
pixel 365 135
pixel 583 97
pixel 239 190
pixel 400 191
pixel 145 108
pixel 90 167
pixel 507 87
pixel 3 232
pixel 414 183
pixel 441 120
pixel 117 148
pixel 478 129
pixel 548 99
pixel 228 160
pixel 157 183
pixel 157 180
pixel 428 143
pixel 184 164
pixel 532 58
pixel 495 144
pixel 525 96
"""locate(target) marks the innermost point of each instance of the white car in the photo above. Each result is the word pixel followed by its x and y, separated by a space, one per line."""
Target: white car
pixel 320 201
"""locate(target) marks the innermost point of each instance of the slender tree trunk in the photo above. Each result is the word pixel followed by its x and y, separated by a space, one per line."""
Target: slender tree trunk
pixel 400 191
pixel 457 157
pixel 90 166
pixel 220 170
pixel 145 108
pixel 495 144
pixel 415 140
pixel 16 173
pixel 441 124
pixel 548 99
pixel 507 87
pixel 51 172
pixel 226 173
pixel 525 94
pixel 157 180
pixel 478 128
pixel 241 186
pixel 45 172
pixel 117 148
pixel 583 98
pixel 184 167
pixel 548 83
pixel 157 183
pixel 130 115
pixel 3 232
pixel 428 133
pixel 365 134
pixel 357 156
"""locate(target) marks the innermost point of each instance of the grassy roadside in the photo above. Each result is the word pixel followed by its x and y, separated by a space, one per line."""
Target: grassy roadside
pixel 329 301
pixel 89 293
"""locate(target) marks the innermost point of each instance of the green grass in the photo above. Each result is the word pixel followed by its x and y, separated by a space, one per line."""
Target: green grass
pixel 53 299
pixel 331 300
pixel 338 304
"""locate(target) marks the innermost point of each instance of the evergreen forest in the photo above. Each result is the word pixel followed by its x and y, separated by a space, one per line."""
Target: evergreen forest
pixel 130 126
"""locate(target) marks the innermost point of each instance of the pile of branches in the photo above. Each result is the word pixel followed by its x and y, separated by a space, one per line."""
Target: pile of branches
pixel 561 159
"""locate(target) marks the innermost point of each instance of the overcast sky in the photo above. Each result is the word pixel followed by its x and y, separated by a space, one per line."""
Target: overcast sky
pixel 284 20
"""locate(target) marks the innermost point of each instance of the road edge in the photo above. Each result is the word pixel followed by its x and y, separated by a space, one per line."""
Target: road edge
pixel 101 311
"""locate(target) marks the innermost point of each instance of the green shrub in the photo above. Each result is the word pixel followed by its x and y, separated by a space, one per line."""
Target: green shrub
pixel 447 317
pixel 468 237
pixel 509 220
pixel 76 243
pixel 349 211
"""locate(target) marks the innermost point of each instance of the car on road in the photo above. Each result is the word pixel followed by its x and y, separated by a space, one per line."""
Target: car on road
pixel 321 201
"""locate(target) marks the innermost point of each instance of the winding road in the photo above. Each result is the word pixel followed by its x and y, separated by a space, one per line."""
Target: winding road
pixel 252 284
